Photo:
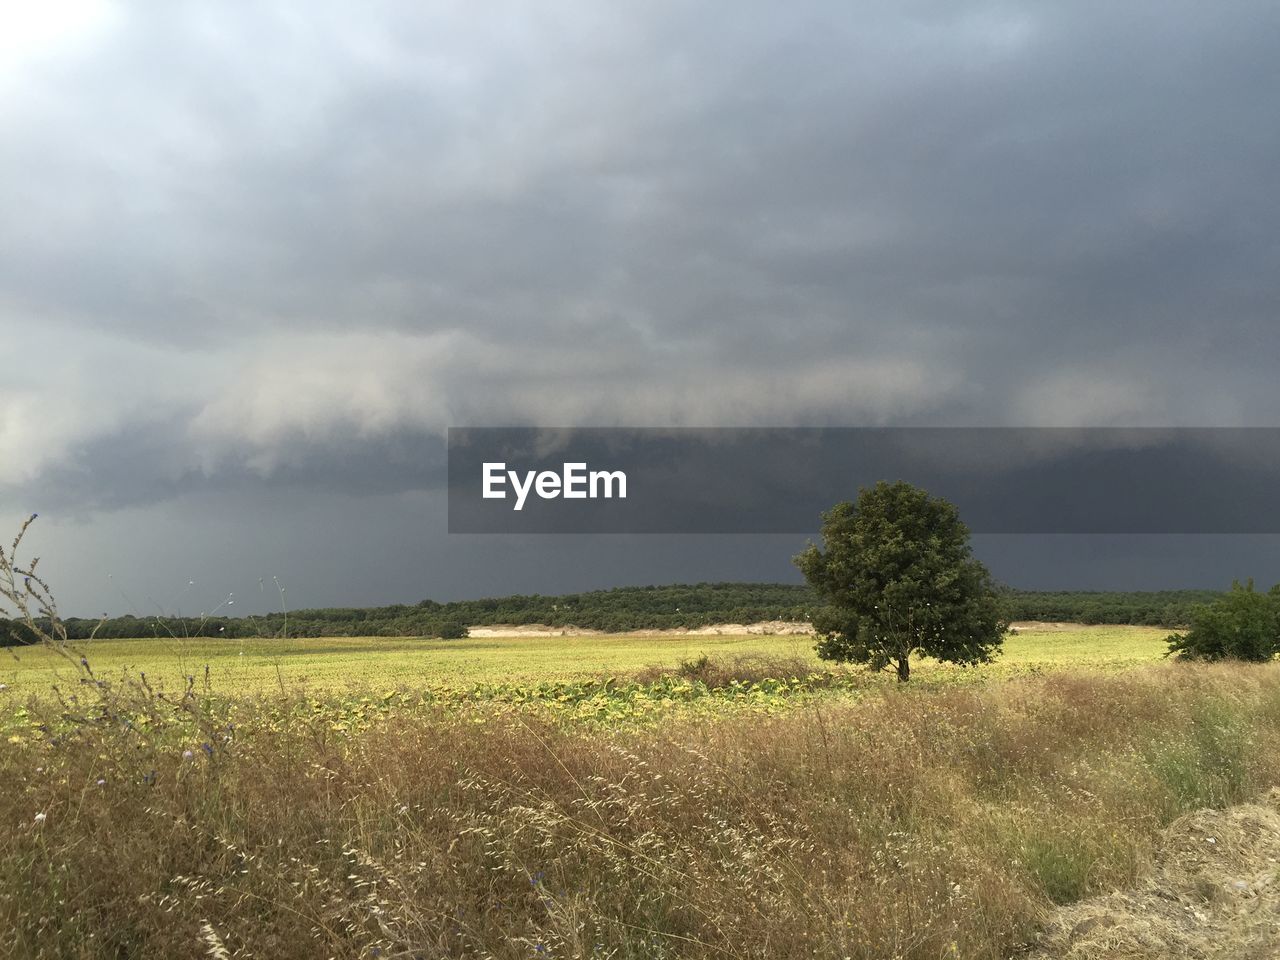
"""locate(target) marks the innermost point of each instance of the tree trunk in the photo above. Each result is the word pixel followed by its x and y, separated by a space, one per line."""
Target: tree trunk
pixel 904 669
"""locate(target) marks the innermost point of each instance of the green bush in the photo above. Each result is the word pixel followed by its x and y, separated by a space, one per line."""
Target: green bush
pixel 1242 625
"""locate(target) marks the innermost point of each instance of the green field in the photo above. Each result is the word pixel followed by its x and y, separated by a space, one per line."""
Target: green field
pixel 337 665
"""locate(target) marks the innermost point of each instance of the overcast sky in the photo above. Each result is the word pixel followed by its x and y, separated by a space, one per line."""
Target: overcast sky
pixel 256 257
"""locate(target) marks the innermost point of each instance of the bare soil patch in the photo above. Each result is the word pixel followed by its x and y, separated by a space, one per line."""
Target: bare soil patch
pixel 1047 626
pixel 769 628
pixel 765 628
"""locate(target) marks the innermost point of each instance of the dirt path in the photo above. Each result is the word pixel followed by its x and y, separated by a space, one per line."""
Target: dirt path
pixel 781 628
pixel 1214 894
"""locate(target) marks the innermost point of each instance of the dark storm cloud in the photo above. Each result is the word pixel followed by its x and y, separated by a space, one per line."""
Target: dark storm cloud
pixel 136 467
pixel 247 247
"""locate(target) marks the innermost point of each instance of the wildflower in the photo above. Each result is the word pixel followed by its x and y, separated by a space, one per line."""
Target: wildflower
pixel 207 748
pixel 187 754
pixel 40 817
pixel 102 782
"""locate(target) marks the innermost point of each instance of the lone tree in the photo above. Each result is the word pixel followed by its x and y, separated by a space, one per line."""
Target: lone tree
pixel 1242 625
pixel 899 579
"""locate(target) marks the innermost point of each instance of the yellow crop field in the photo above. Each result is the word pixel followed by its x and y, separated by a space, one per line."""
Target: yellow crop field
pixel 351 664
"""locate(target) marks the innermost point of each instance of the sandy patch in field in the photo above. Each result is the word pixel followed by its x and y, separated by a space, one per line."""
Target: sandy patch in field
pixel 1045 626
pixel 769 628
pixel 766 628
pixel 533 630
pixel 1213 894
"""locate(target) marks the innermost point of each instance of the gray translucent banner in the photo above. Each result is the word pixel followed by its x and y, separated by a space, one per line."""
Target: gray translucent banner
pixel 775 480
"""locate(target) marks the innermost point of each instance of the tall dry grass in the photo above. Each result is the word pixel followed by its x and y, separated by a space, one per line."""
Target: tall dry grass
pixel 912 823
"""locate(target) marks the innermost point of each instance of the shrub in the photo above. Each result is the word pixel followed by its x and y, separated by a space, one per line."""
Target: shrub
pixel 1242 625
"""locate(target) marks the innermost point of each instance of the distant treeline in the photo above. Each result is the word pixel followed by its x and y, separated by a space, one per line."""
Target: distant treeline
pixel 1159 608
pixel 623 608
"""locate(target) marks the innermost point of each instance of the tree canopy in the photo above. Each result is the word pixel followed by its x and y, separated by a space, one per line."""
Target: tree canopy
pixel 1242 624
pixel 898 577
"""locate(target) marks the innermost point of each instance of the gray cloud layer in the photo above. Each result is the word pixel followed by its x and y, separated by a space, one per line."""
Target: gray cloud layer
pixel 249 248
